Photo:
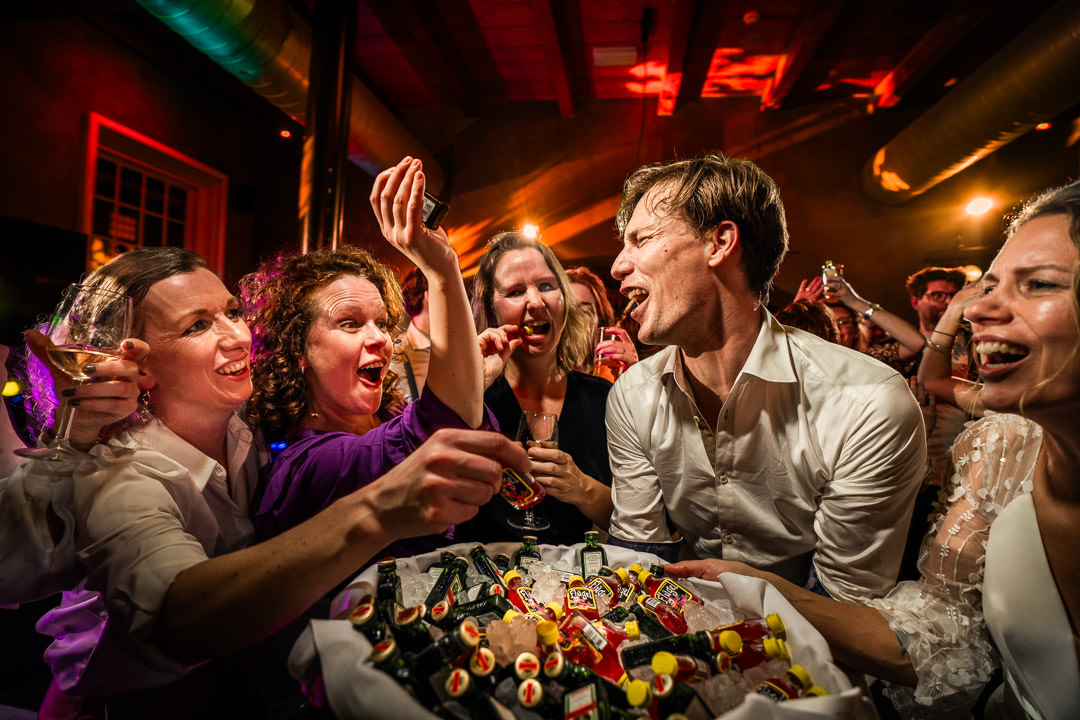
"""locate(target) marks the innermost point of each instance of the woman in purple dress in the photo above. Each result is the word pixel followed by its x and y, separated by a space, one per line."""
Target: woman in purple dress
pixel 321 372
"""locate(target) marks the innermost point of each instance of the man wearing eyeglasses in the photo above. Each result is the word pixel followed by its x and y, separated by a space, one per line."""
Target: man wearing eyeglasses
pixel 931 289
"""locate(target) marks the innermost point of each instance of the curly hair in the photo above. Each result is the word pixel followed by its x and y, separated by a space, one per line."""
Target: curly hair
pixel 575 344
pixel 279 304
pixel 705 191
pixel 605 314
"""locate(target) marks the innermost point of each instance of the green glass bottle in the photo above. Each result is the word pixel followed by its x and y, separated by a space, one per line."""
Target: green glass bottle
pixel 485 565
pixel 447 649
pixel 388 589
pixel 367 620
pixel 485 610
pixel 450 584
pixel 387 656
pixel 674 697
pixel 527 554
pixel 592 556
pixel 410 630
pixel 700 644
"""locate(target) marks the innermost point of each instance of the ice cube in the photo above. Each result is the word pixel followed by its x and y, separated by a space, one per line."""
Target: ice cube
pixel 723 692
pixel 757 674
pixel 509 639
pixel 548 588
pixel 706 616
pixel 414 588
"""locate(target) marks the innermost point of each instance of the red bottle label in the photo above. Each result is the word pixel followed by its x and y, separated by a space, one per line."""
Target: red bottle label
pixel 673 594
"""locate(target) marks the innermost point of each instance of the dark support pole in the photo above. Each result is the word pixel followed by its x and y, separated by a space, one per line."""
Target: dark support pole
pixel 326 144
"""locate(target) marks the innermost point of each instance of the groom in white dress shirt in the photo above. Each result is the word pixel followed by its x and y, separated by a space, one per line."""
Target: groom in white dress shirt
pixel 745 439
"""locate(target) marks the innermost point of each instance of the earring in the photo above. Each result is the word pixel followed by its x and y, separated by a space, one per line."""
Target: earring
pixel 144 413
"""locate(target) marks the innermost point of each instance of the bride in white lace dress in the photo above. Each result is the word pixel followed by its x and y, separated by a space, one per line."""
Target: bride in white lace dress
pixel 1000 581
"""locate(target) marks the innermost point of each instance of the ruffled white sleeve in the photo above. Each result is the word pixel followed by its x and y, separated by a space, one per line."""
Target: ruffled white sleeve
pixel 938 618
pixel 37 551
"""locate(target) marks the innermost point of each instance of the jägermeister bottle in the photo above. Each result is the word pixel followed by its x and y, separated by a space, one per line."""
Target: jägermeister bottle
pixel 527 554
pixel 592 555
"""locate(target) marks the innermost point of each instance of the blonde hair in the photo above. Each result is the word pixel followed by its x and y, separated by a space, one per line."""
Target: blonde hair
pixel 575 342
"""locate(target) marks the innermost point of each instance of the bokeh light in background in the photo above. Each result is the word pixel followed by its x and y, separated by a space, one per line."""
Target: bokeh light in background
pixel 979 206
pixel 972 272
pixel 530 231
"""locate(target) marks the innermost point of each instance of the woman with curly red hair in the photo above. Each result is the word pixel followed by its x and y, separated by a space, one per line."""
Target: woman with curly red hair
pixel 321 373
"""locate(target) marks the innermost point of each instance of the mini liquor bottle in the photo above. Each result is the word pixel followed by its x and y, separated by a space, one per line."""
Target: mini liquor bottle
pixel 592 555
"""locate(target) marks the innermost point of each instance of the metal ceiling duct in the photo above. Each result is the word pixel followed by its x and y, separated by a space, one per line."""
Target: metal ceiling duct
pixel 267 45
pixel 1032 79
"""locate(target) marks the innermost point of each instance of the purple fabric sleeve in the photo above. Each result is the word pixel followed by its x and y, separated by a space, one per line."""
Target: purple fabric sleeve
pixel 316 468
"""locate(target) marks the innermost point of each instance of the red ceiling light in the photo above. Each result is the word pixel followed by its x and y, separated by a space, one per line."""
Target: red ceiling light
pixel 1043 126
pixel 286 133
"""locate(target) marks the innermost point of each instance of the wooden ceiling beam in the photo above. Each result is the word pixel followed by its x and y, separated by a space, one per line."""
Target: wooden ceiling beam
pixel 682 24
pixel 549 36
pixel 962 18
pixel 696 26
pixel 415 33
pixel 817 21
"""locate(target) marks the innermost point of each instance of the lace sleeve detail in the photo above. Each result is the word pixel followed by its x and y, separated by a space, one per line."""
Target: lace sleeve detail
pixel 938 618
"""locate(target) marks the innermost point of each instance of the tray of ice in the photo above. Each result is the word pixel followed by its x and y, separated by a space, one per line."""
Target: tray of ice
pixel 334 660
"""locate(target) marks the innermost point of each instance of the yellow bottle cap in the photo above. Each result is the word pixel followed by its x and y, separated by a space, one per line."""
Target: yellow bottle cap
pixel 665 662
pixel 556 607
pixel 633 632
pixel 574 579
pixel 816 691
pixel 798 672
pixel 510 575
pixel 635 568
pixel 547 632
pixel 731 643
pixel 775 648
pixel 624 577
pixel 776 625
pixel 643 576
pixel 638 693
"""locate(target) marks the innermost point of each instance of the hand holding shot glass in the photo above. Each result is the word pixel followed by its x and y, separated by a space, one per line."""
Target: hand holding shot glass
pixel 536 429
pixel 614 352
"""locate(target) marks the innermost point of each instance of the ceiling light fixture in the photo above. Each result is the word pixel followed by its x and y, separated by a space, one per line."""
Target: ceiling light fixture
pixel 979 206
pixel 530 231
pixel 618 56
pixel 1043 126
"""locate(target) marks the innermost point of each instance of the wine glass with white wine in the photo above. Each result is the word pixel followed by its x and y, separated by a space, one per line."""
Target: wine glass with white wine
pixel 87 328
pixel 536 429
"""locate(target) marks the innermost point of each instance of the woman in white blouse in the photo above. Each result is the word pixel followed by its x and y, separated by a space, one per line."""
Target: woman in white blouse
pixel 1000 573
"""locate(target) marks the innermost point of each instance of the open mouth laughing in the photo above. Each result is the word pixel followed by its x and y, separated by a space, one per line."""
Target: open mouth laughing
pixel 996 356
pixel 237 367
pixel 372 373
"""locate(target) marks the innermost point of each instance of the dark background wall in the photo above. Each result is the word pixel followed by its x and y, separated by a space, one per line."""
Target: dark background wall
pixel 511 163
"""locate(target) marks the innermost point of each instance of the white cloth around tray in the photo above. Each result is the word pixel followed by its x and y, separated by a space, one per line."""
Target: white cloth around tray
pixel 355 689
